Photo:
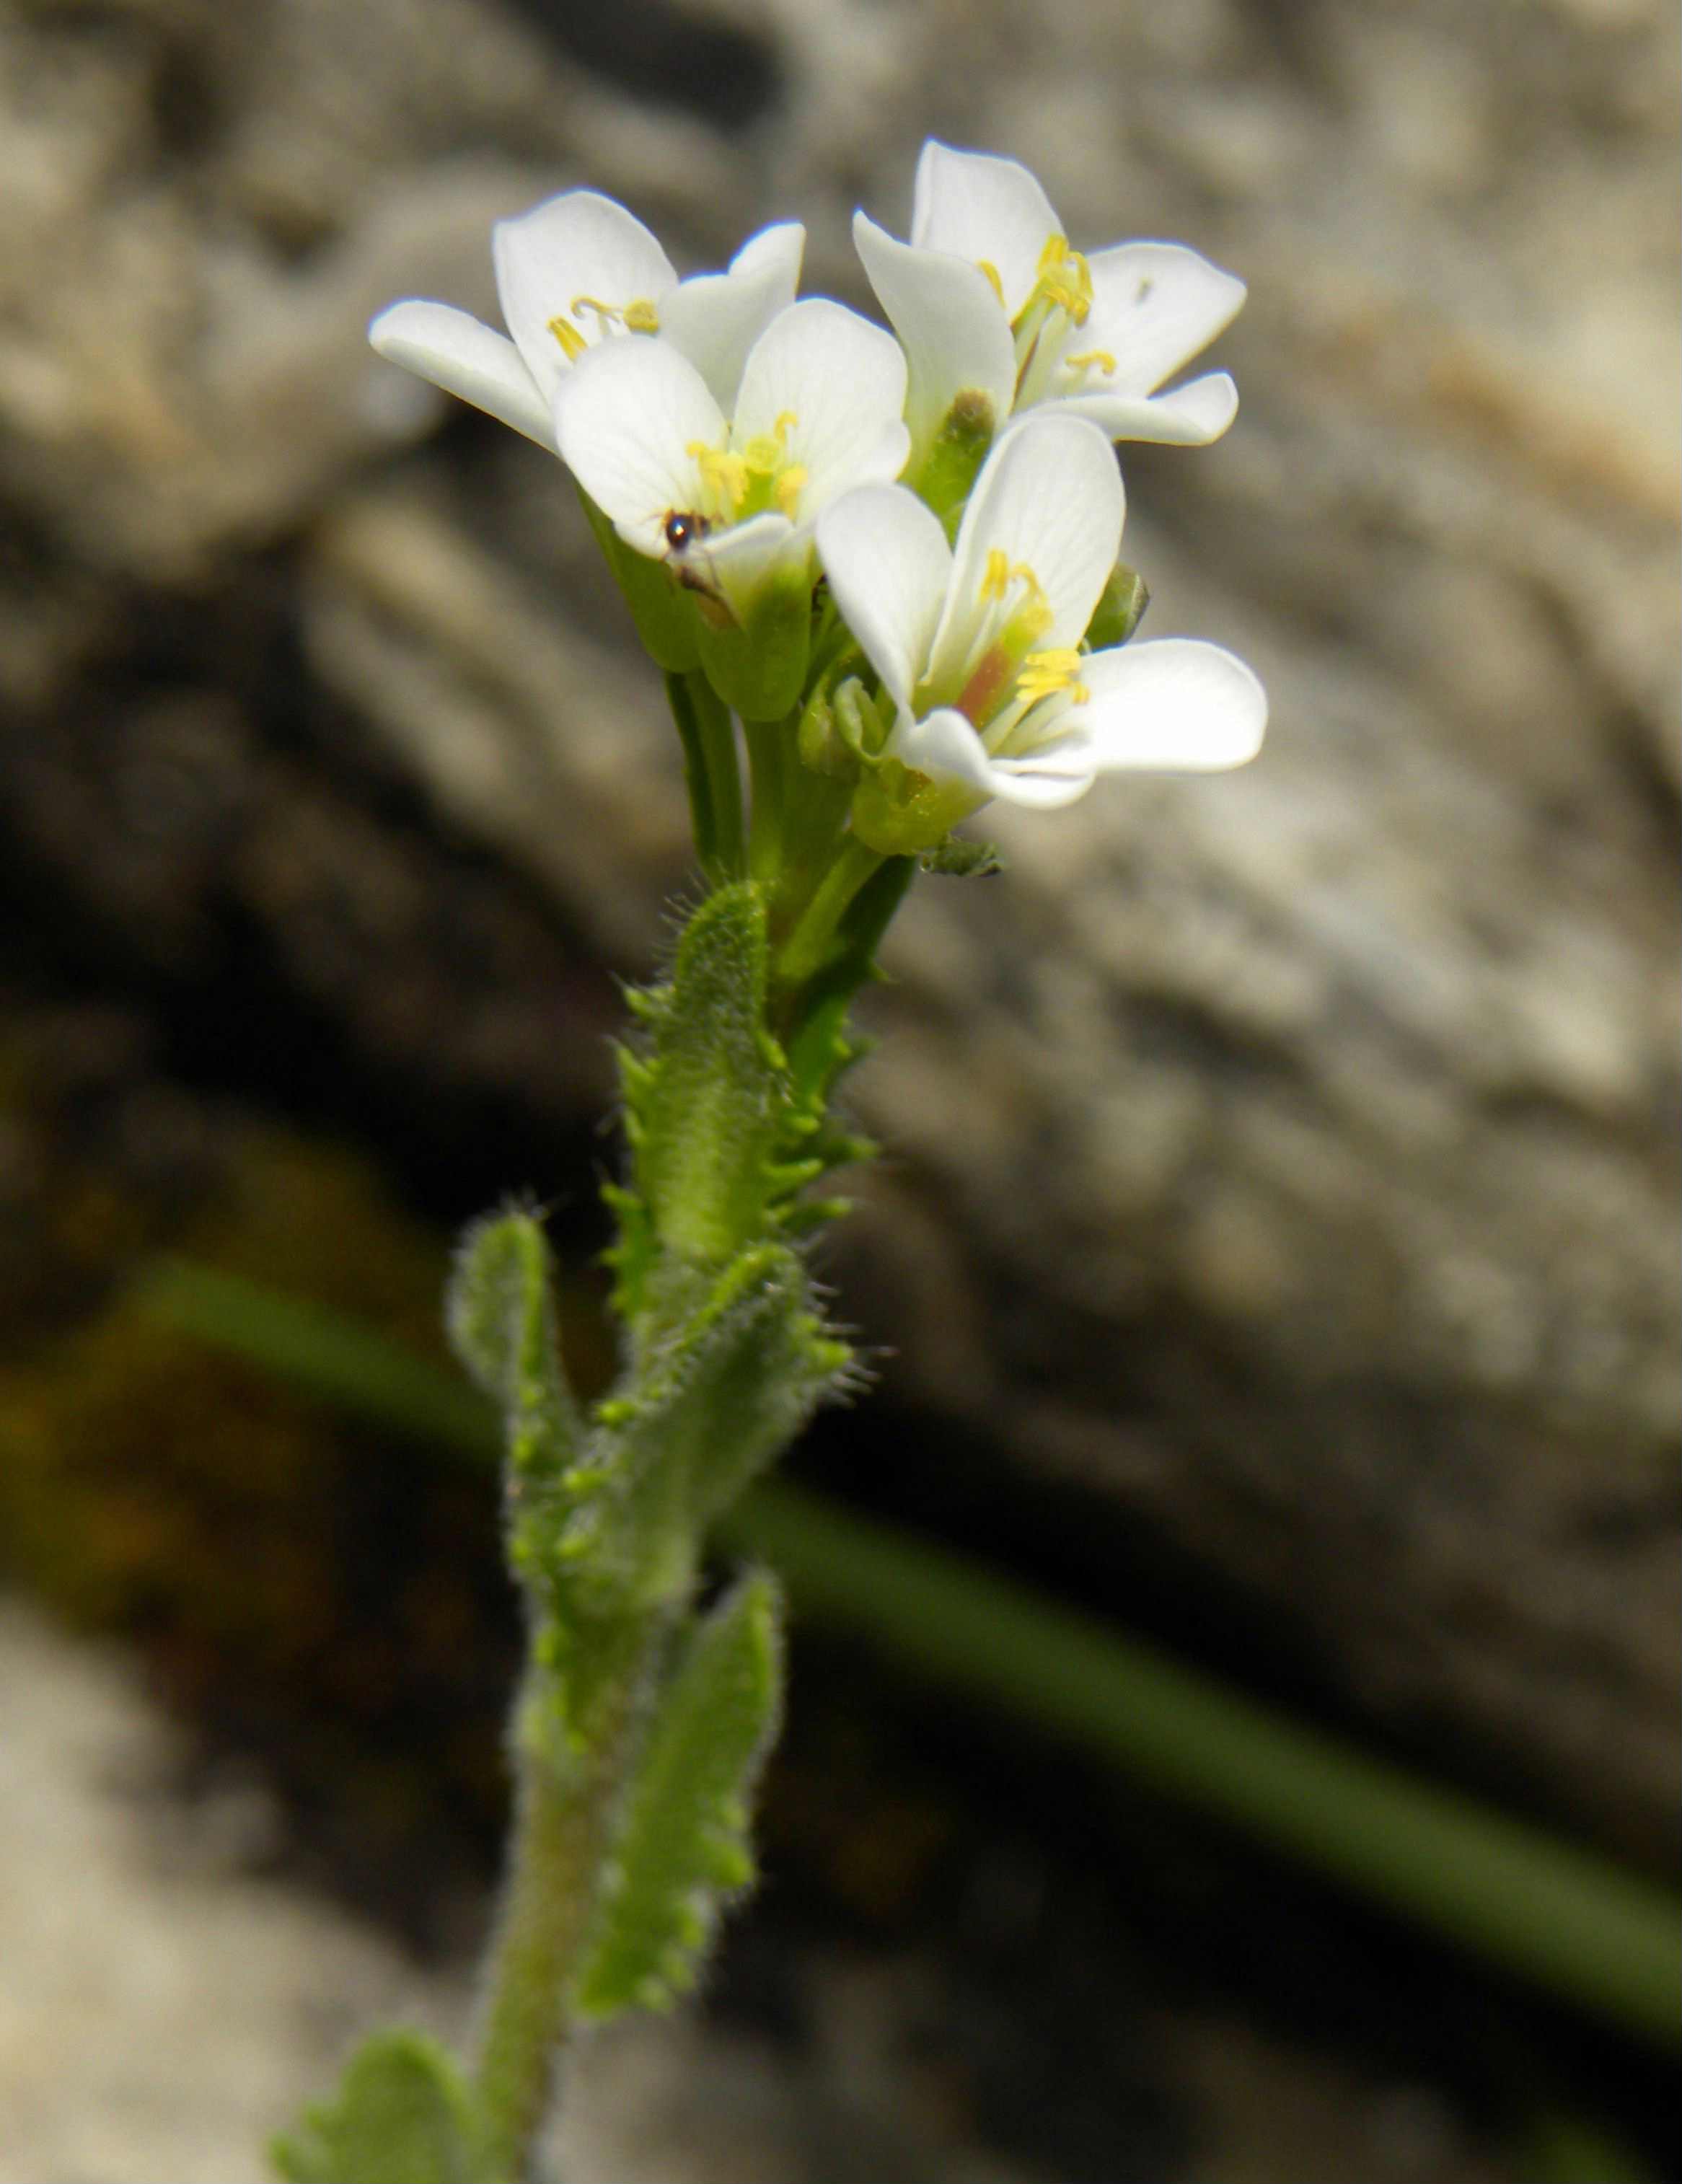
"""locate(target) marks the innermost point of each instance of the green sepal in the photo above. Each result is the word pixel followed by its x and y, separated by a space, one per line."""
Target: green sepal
pixel 662 609
pixel 684 1847
pixel 959 858
pixel 903 814
pixel 1120 606
pixel 756 659
pixel 955 455
pixel 403 2114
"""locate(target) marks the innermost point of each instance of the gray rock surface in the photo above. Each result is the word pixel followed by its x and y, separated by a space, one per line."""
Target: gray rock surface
pixel 1289 1158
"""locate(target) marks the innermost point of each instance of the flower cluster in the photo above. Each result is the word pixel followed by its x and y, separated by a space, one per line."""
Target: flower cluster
pixel 903 545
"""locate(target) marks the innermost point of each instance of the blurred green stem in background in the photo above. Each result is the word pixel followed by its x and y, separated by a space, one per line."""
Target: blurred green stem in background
pixel 1607 1939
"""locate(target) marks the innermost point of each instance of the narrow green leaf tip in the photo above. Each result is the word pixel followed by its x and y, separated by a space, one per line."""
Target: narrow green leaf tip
pixel 500 1311
pixel 403 2114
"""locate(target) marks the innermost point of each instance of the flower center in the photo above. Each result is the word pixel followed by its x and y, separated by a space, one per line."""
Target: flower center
pixel 754 479
pixel 640 317
pixel 1064 282
pixel 1060 300
pixel 1015 614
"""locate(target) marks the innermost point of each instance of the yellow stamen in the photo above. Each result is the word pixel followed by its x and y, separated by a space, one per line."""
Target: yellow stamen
pixel 572 342
pixel 641 317
pixel 1093 360
pixel 992 272
pixel 747 480
pixel 725 474
pixel 1000 573
pixel 1064 278
pixel 1043 673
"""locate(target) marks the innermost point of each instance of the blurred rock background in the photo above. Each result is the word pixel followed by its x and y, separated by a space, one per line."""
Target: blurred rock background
pixel 1277 1248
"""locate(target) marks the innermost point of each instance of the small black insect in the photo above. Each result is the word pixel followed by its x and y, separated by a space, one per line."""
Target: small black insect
pixel 684 530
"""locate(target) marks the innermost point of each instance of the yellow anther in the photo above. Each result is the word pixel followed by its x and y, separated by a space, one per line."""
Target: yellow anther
pixel 572 342
pixel 641 317
pixel 1093 360
pixel 1000 573
pixel 784 426
pixel 725 475
pixel 788 489
pixel 605 312
pixel 992 272
pixel 1064 278
pixel 1062 660
pixel 1043 673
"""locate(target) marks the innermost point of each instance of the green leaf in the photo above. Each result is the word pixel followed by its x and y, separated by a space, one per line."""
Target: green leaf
pixel 708 1103
pixel 403 2114
pixel 720 1402
pixel 500 1310
pixel 684 1847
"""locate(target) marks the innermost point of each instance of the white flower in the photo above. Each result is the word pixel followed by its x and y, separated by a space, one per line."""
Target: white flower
pixel 977 645
pixel 729 495
pixel 989 299
pixel 573 273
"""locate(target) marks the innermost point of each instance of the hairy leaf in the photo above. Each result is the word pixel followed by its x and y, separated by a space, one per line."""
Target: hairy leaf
pixel 403 2114
pixel 682 1847
pixel 501 1314
pixel 726 1395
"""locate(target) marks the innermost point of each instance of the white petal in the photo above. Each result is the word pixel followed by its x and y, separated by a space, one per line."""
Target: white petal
pixel 739 562
pixel 1050 500
pixel 782 245
pixel 955 333
pixel 887 562
pixel 1154 306
pixel 457 352
pixel 1189 417
pixel 1173 704
pixel 716 318
pixel 946 748
pixel 576 245
pixel 841 381
pixel 980 207
pixel 625 416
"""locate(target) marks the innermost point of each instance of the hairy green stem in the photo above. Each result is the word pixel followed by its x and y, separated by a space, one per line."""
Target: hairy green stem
pixel 564 1814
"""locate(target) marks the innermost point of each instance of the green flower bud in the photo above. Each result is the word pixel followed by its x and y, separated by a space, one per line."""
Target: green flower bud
pixel 1121 607
pixel 822 745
